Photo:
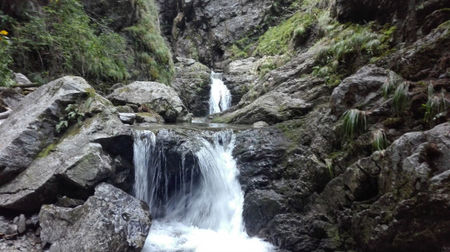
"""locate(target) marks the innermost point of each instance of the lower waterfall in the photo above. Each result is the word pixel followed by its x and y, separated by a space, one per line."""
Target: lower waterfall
pixel 203 215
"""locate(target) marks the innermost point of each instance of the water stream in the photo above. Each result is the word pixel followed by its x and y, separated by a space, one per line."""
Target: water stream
pixel 203 215
pixel 220 96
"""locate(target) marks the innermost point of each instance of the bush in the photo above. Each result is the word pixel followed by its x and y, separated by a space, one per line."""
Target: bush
pixel 355 121
pixel 5 59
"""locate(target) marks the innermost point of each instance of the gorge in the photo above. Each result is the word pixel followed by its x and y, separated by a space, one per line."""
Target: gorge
pixel 225 125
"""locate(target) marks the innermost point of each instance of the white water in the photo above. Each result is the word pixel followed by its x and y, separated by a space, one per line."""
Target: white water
pixel 220 96
pixel 202 218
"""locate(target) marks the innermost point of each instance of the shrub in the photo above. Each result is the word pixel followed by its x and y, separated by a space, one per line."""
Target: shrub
pixel 435 106
pixel 355 121
pixel 379 140
pixel 61 40
pixel 400 99
pixel 5 59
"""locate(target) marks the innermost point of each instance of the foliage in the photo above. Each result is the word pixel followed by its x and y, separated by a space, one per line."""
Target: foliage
pixel 5 59
pixel 72 115
pixel 152 55
pixel 276 40
pixel 393 81
pixel 355 121
pixel 400 99
pixel 347 47
pixel 435 106
pixel 63 41
pixel 379 140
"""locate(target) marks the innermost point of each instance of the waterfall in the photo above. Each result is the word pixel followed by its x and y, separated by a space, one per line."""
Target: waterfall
pixel 203 215
pixel 220 96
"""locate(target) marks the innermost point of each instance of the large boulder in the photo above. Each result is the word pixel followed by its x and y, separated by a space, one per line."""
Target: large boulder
pixel 97 148
pixel 363 89
pixel 158 97
pixel 82 158
pixel 192 82
pixel 110 220
pixel 32 126
pixel 397 199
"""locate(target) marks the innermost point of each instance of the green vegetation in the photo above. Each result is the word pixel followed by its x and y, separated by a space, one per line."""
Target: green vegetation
pixel 393 81
pixel 379 140
pixel 278 39
pixel 355 121
pixel 63 39
pixel 435 106
pixel 400 99
pixel 73 115
pixel 152 56
pixel 5 59
pixel 346 47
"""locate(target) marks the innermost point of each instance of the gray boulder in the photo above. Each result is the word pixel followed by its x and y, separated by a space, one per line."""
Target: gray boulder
pixel 32 126
pixel 158 97
pixel 110 220
pixel 192 83
pixel 239 76
pixel 272 107
pixel 363 89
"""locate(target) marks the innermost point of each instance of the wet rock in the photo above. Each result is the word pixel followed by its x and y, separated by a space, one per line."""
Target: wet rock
pixel 110 220
pixel 239 76
pixel 192 83
pixel 32 126
pixel 158 97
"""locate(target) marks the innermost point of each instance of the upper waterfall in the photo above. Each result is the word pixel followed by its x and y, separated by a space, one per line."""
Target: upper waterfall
pixel 220 96
pixel 203 214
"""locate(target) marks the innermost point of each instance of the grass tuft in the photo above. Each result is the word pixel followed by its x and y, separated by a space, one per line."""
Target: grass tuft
pixel 355 121
pixel 379 140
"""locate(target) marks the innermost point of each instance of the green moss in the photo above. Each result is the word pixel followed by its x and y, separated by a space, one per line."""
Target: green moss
pixel 347 47
pixel 277 40
pixel 290 130
pixel 47 150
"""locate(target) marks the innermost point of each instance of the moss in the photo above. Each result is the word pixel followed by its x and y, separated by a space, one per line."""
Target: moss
pixel 290 130
pixel 278 39
pixel 47 150
pixel 347 47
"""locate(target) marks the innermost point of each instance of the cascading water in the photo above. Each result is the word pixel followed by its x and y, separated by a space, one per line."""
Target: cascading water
pixel 205 216
pixel 220 96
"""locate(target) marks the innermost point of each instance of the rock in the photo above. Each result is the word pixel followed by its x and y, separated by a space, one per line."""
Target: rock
pixel 21 224
pixel 202 29
pixel 74 163
pixel 127 118
pixel 10 97
pixel 362 90
pixel 110 220
pixel 272 107
pixel 412 19
pixel 158 97
pixel 21 79
pixel 68 202
pixel 192 83
pixel 429 55
pixel 147 117
pixel 260 124
pixel 239 76
pixel 32 126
